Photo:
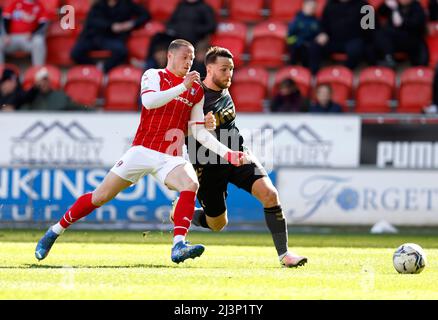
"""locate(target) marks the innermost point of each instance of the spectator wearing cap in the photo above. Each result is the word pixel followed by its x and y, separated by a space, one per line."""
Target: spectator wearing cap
pixel 289 98
pixel 24 29
pixel 11 93
pixel 324 102
pixel 107 27
pixel 42 96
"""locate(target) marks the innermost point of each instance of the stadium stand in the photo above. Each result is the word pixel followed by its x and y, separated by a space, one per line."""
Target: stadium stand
pixel 375 90
pixel 121 91
pixel 10 66
pixel 57 38
pixel 55 76
pixel 138 42
pixel 432 43
pixel 284 10
pixel 81 8
pixel 83 84
pixel 340 79
pixel 161 10
pixel 245 10
pixel 232 35
pixel 249 89
pixel 415 90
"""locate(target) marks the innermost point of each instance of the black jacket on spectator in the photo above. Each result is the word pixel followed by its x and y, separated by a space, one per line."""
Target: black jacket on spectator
pixel 433 10
pixel 414 18
pixel 341 21
pixel 101 17
pixel 192 21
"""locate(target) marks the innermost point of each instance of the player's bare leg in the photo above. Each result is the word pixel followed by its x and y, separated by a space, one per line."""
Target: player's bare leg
pixel 267 194
pixel 183 179
pixel 84 205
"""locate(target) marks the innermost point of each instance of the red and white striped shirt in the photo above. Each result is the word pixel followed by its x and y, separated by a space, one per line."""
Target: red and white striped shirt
pixel 156 124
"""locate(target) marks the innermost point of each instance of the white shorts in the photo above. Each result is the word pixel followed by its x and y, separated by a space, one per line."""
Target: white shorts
pixel 139 161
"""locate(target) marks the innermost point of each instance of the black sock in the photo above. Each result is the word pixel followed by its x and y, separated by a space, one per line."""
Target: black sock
pixel 277 225
pixel 199 218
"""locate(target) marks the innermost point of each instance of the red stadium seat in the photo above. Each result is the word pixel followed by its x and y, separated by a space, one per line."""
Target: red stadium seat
pixel 340 79
pixel 245 10
pixel 162 9
pixel 138 42
pixel 268 45
pixel 52 8
pixel 249 89
pixel 285 10
pixel 375 3
pixel 54 76
pixel 83 84
pixel 10 66
pixel 432 43
pixel 123 89
pixel 415 89
pixel 231 35
pixel 81 8
pixel 301 75
pixel 375 90
pixel 57 38
pixel 320 7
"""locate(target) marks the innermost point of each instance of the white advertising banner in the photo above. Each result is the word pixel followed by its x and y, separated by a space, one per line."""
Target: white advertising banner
pixel 359 197
pixel 99 139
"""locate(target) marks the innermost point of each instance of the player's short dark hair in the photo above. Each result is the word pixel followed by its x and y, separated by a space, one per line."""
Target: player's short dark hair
pixel 178 43
pixel 214 52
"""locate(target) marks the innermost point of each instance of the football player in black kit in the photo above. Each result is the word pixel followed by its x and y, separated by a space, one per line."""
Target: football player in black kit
pixel 214 175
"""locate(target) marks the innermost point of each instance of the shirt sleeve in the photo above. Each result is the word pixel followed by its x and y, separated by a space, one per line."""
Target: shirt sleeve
pixel 151 96
pixel 201 134
pixel 43 15
pixel 7 11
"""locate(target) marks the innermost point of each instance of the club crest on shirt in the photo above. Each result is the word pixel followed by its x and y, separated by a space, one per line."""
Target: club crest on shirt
pixel 192 91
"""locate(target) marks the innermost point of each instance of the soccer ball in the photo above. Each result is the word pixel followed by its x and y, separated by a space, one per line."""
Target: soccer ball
pixel 409 258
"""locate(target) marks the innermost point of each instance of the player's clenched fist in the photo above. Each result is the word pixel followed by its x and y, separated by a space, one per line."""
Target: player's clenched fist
pixel 210 121
pixel 190 78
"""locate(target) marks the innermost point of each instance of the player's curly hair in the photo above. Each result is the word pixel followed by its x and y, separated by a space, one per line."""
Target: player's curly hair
pixel 214 52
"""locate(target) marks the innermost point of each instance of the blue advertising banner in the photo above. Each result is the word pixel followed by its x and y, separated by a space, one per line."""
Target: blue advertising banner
pixel 44 194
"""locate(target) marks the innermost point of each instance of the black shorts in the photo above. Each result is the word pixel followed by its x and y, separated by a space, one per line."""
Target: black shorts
pixel 214 179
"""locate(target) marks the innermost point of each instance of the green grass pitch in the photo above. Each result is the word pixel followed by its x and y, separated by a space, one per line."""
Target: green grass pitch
pixel 130 265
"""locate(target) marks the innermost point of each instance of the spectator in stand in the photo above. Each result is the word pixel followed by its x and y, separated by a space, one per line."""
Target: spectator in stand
pixel 341 32
pixel 324 102
pixel 301 33
pixel 289 98
pixel 403 30
pixel 24 30
pixel 42 97
pixel 107 27
pixel 433 10
pixel 11 93
pixel 192 20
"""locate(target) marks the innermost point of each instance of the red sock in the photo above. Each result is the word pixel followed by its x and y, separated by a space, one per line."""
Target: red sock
pixel 81 208
pixel 184 213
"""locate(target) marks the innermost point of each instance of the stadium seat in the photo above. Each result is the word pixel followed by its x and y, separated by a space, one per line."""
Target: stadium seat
pixel 301 75
pixel 52 8
pixel 81 8
pixel 139 40
pixel 284 10
pixel 375 90
pixel 123 88
pixel 320 7
pixel 340 79
pixel 415 90
pixel 54 76
pixel 10 66
pixel 249 89
pixel 83 84
pixel 268 46
pixel 432 43
pixel 57 38
pixel 375 3
pixel 231 35
pixel 161 9
pixel 245 10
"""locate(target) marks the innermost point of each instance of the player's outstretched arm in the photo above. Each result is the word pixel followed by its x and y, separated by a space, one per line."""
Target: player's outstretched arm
pixel 200 133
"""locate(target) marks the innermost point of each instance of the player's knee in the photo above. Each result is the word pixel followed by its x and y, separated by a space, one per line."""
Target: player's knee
pixel 270 197
pixel 100 198
pixel 191 185
pixel 218 224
